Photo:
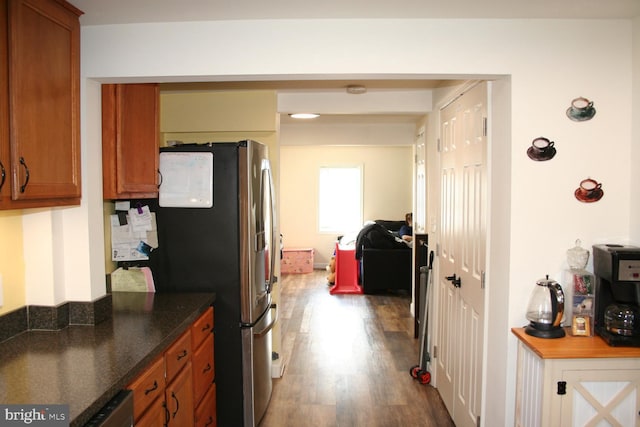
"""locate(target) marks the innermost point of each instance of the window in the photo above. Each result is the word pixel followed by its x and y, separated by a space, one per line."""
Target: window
pixel 340 199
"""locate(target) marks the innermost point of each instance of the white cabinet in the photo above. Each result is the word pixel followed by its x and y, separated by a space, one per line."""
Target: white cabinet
pixel 595 389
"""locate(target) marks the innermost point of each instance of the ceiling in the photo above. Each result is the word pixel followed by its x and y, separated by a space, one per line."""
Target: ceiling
pixel 136 11
pixel 98 12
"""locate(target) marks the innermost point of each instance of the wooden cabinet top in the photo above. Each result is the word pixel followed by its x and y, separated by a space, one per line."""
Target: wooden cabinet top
pixel 571 347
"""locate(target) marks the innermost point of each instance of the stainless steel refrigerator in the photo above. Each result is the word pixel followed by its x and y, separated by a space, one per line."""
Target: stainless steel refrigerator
pixel 215 219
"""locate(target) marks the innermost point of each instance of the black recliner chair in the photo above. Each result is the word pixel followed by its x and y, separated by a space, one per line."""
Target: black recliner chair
pixel 385 263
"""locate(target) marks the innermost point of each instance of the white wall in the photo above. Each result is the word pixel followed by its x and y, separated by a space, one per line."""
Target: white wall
pixel 387 190
pixel 348 134
pixel 549 62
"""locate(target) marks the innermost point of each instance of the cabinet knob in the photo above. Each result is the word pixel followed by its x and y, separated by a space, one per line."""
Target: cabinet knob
pixel 562 387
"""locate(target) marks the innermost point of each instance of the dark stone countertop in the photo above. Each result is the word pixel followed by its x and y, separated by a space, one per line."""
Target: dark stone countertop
pixel 85 366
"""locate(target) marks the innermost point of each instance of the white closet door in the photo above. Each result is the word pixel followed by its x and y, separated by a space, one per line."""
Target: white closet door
pixel 462 255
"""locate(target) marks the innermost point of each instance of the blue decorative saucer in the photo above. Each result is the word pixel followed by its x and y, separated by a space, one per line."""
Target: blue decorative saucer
pixel 581 116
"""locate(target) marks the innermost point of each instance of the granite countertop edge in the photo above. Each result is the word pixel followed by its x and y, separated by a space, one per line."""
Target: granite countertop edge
pixel 135 370
pixel 160 319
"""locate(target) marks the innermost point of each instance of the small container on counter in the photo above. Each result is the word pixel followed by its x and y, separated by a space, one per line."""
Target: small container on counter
pixel 579 288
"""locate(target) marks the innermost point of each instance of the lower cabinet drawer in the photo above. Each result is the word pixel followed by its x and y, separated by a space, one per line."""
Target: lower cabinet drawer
pixel 206 410
pixel 178 355
pixel 202 328
pixel 203 368
pixel 147 387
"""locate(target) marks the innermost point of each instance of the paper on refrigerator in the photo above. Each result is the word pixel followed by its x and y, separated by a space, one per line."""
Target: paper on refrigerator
pixel 134 239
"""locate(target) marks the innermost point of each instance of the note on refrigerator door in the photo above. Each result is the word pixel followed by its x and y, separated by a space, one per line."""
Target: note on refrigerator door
pixel 134 238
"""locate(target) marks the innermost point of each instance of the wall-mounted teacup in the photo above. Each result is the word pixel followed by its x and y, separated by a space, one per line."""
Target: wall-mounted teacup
pixel 581 104
pixel 541 145
pixel 589 187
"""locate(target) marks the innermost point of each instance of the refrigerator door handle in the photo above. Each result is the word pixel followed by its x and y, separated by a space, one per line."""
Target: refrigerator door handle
pixel 267 328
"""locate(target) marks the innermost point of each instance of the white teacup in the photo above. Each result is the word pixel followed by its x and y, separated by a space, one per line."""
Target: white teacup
pixel 589 186
pixel 581 104
pixel 541 144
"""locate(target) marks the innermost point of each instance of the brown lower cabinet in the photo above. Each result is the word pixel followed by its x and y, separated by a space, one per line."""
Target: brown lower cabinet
pixel 178 389
pixel 155 415
pixel 206 410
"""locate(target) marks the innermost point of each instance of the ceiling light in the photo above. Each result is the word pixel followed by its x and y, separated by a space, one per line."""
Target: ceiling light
pixel 356 89
pixel 304 115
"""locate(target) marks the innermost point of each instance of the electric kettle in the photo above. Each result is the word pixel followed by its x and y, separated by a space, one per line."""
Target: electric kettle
pixel 545 310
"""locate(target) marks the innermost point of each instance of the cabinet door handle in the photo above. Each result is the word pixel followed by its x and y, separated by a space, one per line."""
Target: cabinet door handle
pixel 209 421
pixel 183 354
pixel 26 175
pixel 154 387
pixel 4 175
pixel 160 178
pixel 207 368
pixel 177 404
pixel 204 328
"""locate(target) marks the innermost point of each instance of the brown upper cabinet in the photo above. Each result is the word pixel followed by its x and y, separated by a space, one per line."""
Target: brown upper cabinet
pixel 130 140
pixel 39 104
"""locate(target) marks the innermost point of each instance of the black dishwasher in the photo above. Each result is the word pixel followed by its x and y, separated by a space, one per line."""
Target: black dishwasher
pixel 118 412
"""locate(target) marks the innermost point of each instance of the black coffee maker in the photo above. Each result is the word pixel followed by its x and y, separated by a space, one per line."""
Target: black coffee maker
pixel 617 299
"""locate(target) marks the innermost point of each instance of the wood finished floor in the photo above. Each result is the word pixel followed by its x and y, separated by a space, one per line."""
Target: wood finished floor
pixel 347 361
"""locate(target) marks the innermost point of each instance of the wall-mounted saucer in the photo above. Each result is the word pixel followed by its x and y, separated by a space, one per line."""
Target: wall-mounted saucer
pixel 581 115
pixel 541 156
pixel 594 196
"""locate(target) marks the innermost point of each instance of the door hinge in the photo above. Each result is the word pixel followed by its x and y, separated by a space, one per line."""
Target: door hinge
pixel 437 249
pixel 482 280
pixel 484 126
pixel 439 147
pixel 435 352
pixel 562 387
pixel 478 421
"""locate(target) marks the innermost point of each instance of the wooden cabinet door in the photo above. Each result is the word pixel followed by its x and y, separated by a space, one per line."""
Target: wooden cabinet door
pixel 179 399
pixel 156 415
pixel 5 191
pixel 203 368
pixel 130 140
pixel 206 411
pixel 44 99
pixel 600 397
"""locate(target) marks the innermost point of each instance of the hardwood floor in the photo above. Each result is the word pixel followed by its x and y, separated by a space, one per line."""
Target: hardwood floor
pixel 347 361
